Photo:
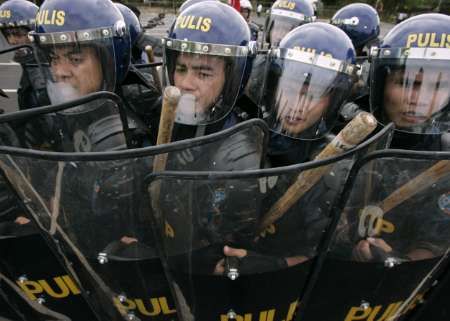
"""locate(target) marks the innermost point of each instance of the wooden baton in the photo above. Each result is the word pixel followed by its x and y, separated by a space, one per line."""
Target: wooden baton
pixel 151 59
pixel 351 135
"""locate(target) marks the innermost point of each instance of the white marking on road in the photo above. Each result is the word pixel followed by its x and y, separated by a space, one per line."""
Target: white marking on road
pixel 9 64
pixel 10 90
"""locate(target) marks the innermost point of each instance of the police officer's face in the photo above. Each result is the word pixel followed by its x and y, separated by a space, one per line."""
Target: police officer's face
pixel 412 97
pixel 78 67
pixel 202 76
pixel 299 110
pixel 16 36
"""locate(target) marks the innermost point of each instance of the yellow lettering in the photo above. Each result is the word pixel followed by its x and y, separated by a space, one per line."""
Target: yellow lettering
pixel 64 290
pixel 286 5
pixel 411 39
pixel 190 24
pixel 424 40
pixel 291 310
pixel 72 287
pixel 206 25
pixel 387 313
pixel 38 18
pixel 124 306
pixel 357 313
pixel 46 20
pixel 156 309
pixel 387 227
pixel 442 43
pixel 184 22
pixel 169 230
pixel 447 45
pixel 53 17
pixel 267 315
pixel 199 22
pixel 5 14
pixel 165 307
pixel 30 288
pixel 60 16
pixel 433 43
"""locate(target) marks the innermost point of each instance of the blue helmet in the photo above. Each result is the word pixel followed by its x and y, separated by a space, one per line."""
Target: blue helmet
pixel 410 74
pixel 17 17
pixel 131 20
pixel 284 16
pixel 309 76
pixel 208 56
pixel 359 21
pixel 68 32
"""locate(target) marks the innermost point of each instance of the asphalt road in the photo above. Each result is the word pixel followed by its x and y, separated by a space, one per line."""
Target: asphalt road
pixel 10 72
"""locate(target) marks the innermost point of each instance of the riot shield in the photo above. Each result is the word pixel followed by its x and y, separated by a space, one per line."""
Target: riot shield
pixel 94 210
pixel 391 239
pixel 225 257
pixel 95 122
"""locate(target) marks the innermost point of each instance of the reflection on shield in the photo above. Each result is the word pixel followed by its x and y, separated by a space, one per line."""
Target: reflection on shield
pixel 93 208
pixel 391 240
pixel 199 213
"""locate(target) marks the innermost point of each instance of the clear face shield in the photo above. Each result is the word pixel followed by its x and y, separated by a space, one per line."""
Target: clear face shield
pixel 411 89
pixel 303 92
pixel 76 64
pixel 209 77
pixel 283 21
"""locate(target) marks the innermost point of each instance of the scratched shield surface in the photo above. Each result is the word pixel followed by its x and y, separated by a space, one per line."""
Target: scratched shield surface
pixel 391 240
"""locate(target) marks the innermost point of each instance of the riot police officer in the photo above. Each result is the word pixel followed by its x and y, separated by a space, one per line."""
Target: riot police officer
pixel 301 100
pixel 83 56
pixel 285 16
pixel 208 56
pixel 361 23
pixel 16 20
pixel 409 87
pixel 309 77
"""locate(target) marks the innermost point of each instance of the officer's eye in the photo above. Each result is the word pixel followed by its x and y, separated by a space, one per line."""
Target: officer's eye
pixel 75 59
pixel 181 69
pixel 204 75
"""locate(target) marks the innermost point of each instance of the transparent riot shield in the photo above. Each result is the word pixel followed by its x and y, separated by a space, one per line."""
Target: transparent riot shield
pixel 232 248
pixel 391 239
pixel 94 210
pixel 15 305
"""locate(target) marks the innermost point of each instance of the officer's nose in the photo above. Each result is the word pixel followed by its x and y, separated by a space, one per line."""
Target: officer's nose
pixel 61 70
pixel 186 82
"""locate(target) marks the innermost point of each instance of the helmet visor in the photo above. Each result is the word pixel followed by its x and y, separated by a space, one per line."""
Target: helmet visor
pixel 283 21
pixel 302 98
pixel 75 68
pixel 413 91
pixel 209 83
